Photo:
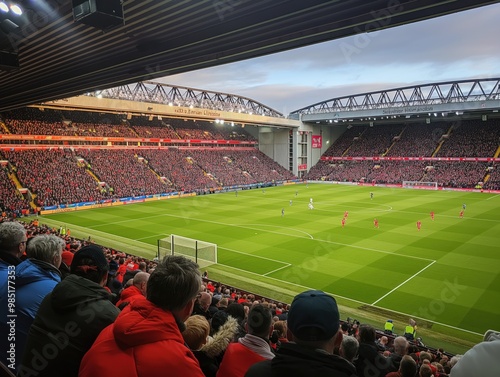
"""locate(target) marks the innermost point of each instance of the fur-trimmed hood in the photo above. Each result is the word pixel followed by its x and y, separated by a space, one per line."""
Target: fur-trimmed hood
pixel 217 344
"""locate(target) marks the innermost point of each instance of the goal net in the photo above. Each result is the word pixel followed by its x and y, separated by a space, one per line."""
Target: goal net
pixel 203 253
pixel 420 185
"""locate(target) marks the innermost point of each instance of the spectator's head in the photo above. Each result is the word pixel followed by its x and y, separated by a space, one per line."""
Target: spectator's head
pixel 47 248
pixel 223 303
pixel 383 340
pixel 113 267
pixel 140 280
pixel 407 367
pixel 314 320
pixel 366 334
pixel 13 238
pixel 344 327
pixel 218 319
pixel 280 327
pixel 454 360
pixel 400 345
pixel 425 356
pixel 174 285
pixel 349 348
pixel 237 311
pixel 89 262
pixel 196 332
pixel 425 371
pixel 205 300
pixel 260 321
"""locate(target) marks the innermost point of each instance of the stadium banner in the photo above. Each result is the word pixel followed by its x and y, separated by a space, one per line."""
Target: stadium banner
pixel 292 182
pixel 316 141
pixel 400 186
pixel 114 139
pixel 75 207
pixel 302 167
pixel 459 159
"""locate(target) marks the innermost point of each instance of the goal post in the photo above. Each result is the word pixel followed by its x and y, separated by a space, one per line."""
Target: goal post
pixel 201 252
pixel 420 185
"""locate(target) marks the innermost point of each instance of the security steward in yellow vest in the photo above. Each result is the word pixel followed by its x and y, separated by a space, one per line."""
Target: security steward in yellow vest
pixel 389 327
pixel 410 332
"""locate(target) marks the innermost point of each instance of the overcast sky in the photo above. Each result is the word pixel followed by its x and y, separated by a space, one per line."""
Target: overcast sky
pixel 461 46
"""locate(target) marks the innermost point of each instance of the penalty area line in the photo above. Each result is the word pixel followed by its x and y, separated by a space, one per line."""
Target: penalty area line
pixel 281 268
pixel 407 280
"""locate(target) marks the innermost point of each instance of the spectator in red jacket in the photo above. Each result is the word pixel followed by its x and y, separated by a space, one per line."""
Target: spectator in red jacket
pixel 146 339
pixel 137 290
pixel 252 348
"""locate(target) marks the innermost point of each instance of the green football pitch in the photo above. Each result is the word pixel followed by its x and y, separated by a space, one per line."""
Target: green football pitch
pixel 446 275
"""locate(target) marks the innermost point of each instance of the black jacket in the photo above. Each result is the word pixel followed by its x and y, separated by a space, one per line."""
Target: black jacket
pixel 69 320
pixel 371 362
pixel 298 361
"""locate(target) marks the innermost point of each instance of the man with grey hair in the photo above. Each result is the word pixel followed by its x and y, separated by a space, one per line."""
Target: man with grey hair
pixel 349 348
pixel 400 345
pixel 147 336
pixel 34 279
pixel 13 240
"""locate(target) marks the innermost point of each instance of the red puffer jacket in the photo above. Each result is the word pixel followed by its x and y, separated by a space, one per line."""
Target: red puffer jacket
pixel 144 341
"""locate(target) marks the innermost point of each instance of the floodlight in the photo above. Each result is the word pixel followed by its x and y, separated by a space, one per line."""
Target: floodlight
pixel 16 9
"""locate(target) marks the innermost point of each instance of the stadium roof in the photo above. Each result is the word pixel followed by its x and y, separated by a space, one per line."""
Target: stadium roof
pixel 59 57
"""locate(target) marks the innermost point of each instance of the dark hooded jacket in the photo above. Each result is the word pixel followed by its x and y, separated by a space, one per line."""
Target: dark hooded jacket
pixel 67 323
pixel 294 360
pixel 370 362
pixel 34 279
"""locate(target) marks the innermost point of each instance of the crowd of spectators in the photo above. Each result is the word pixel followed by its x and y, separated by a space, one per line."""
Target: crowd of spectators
pixel 220 164
pixel 395 172
pixel 374 141
pixel 124 172
pixel 417 140
pixel 64 176
pixel 440 139
pixel 457 174
pixel 344 142
pixel 54 177
pixel 472 138
pixel 493 182
pixel 39 127
pixel 11 200
pixel 32 121
pixel 260 166
pixel 340 171
pixel 445 173
pixel 469 138
pixel 183 172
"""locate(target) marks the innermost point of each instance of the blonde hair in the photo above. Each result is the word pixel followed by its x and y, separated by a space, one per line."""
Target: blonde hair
pixel 425 371
pixel 196 332
pixel 281 328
